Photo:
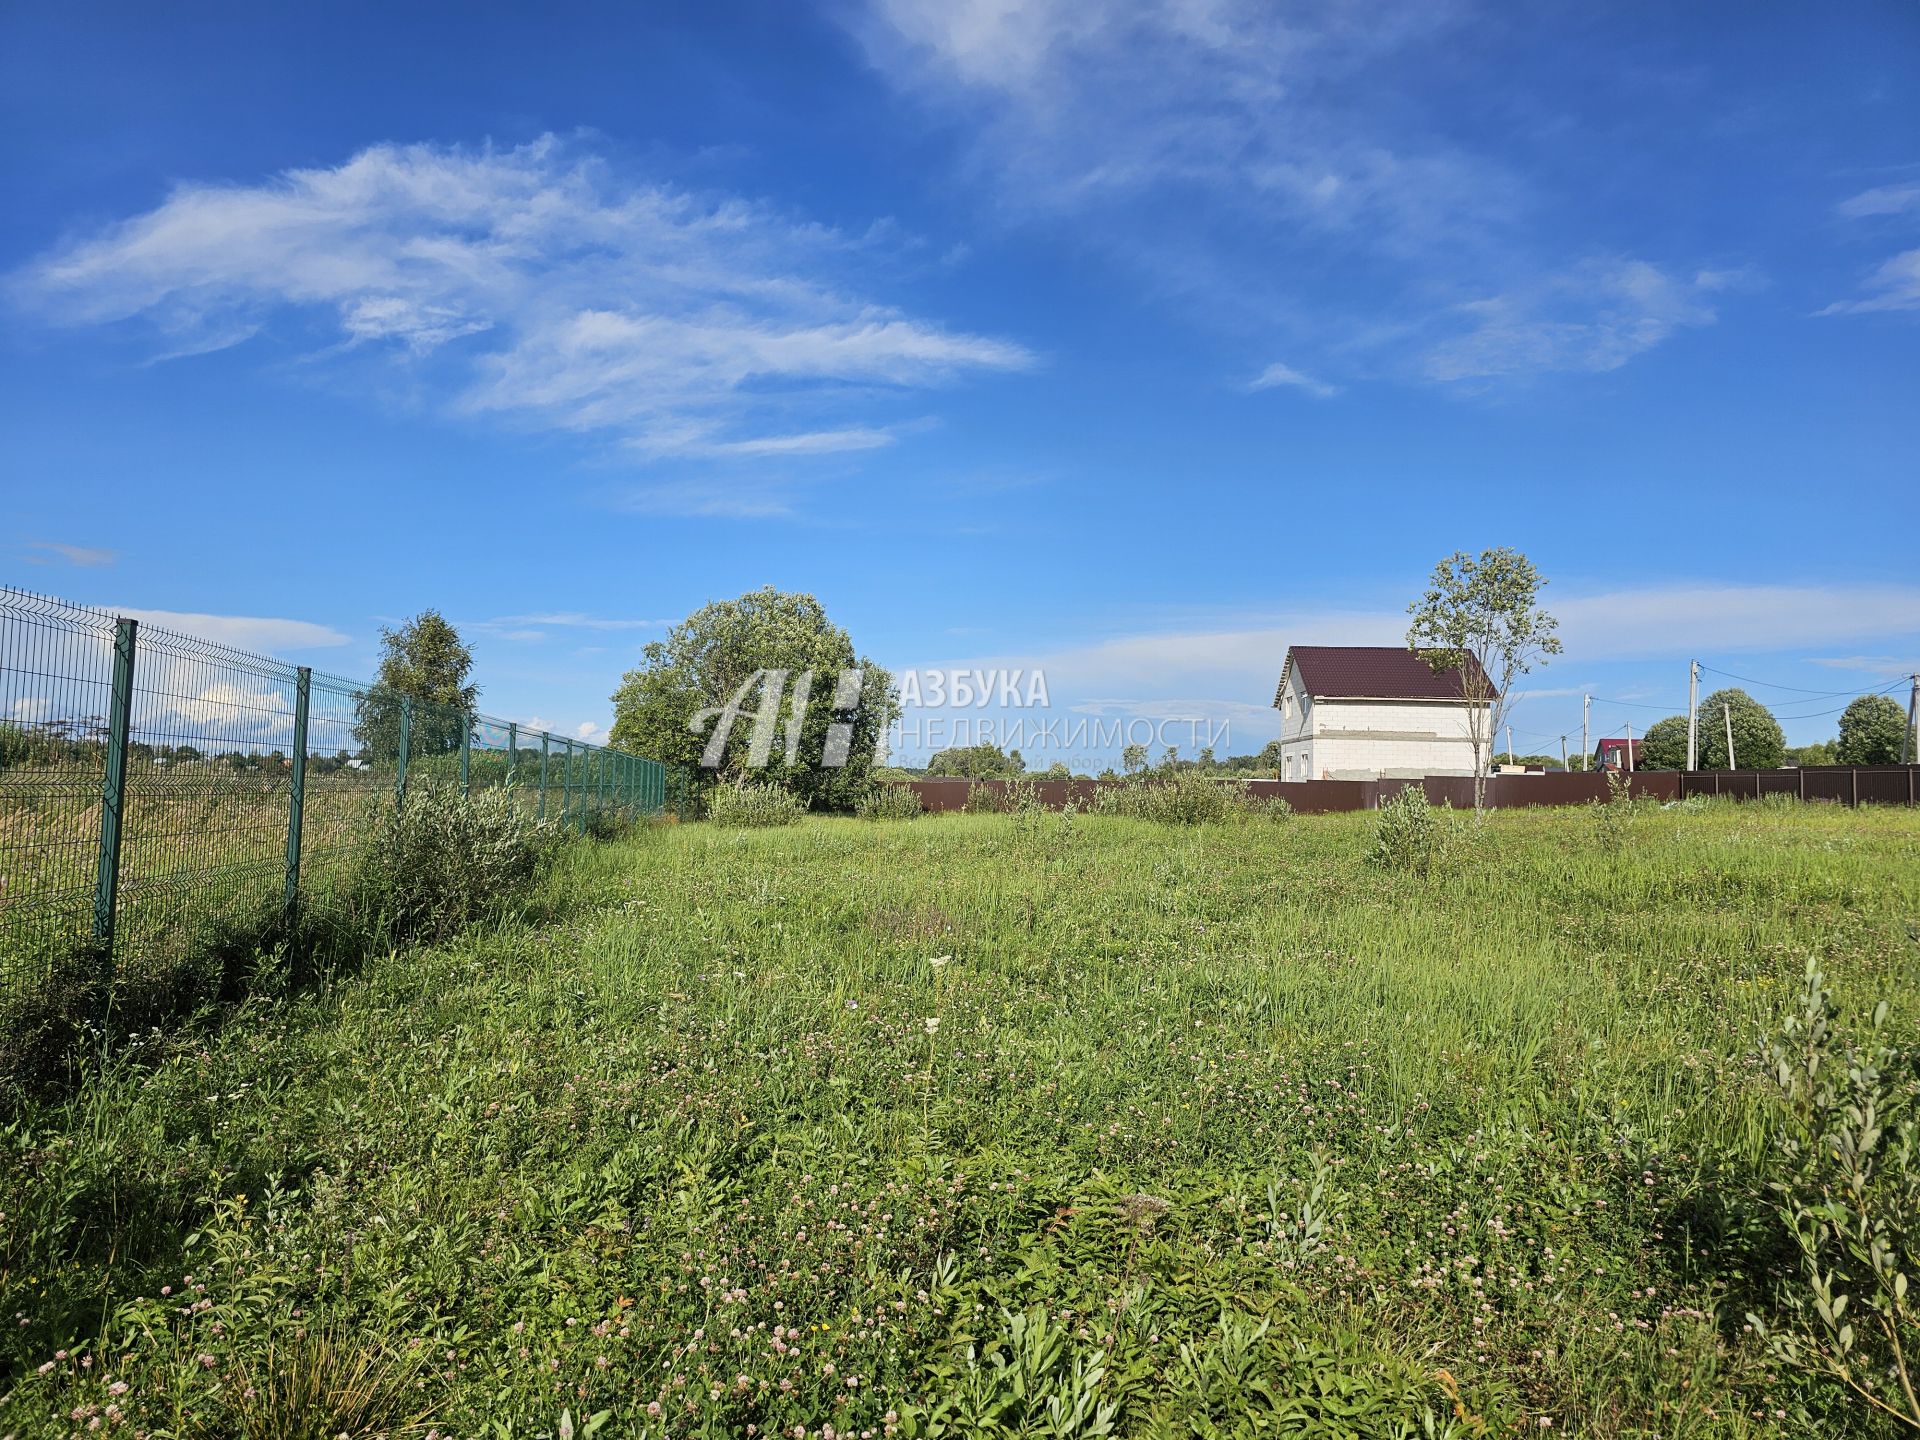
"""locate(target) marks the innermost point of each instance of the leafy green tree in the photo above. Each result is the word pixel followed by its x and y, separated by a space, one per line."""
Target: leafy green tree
pixel 976 762
pixel 1664 747
pixel 1133 759
pixel 732 672
pixel 1758 742
pixel 1821 752
pixel 1871 731
pixel 424 661
pixel 1481 619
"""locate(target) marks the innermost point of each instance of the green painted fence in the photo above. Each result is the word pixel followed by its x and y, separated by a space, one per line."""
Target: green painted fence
pixel 152 781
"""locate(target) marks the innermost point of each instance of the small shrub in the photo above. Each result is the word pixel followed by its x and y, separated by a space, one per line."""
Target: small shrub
pixel 984 800
pixel 754 805
pixel 443 860
pixel 1267 807
pixel 1183 798
pixel 1409 836
pixel 893 800
pixel 1613 818
pixel 1846 1153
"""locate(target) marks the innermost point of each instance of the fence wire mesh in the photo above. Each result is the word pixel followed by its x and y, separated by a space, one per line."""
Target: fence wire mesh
pixel 152 782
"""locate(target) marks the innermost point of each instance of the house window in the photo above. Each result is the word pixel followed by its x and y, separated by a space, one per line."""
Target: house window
pixel 1288 766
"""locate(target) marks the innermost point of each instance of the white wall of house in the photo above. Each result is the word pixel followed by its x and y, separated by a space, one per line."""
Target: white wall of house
pixel 1331 739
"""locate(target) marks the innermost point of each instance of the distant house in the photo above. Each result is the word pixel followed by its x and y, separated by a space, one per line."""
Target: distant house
pixel 1365 712
pixel 1613 754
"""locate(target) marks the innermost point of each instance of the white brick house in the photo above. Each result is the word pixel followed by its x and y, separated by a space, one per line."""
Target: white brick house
pixel 1365 712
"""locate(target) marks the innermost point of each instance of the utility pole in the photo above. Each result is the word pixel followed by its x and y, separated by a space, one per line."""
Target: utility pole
pixel 1563 754
pixel 1727 711
pixel 1586 751
pixel 1913 716
pixel 1693 714
pixel 1509 744
pixel 1629 765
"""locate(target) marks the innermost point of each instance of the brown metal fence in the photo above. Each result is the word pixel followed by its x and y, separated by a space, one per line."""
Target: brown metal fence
pixel 1838 784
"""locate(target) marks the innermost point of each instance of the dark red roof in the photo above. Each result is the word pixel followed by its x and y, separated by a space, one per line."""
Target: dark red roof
pixel 1369 672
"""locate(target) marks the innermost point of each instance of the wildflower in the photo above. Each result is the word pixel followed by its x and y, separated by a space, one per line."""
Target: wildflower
pixel 932 1024
pixel 939 960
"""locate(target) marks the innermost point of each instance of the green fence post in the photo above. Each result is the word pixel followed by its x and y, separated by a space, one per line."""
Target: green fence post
pixel 466 755
pixel 406 737
pixel 545 740
pixel 297 791
pixel 513 743
pixel 566 786
pixel 113 788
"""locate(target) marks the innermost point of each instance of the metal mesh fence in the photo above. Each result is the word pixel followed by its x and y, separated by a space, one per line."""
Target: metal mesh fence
pixel 152 782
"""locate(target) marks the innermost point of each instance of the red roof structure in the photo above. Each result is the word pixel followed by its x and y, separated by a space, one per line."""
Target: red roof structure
pixel 1372 672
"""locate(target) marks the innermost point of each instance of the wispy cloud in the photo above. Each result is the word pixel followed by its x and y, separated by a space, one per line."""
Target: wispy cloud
pixel 533 283
pixel 1238 663
pixel 1278 375
pixel 1594 317
pixel 262 634
pixel 46 552
pixel 1893 284
pixel 1881 200
pixel 537 626
pixel 1241 156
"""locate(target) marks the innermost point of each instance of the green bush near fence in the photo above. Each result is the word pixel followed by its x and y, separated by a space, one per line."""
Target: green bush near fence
pixel 749 805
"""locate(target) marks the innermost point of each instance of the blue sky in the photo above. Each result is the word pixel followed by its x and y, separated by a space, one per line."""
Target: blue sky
pixel 1133 341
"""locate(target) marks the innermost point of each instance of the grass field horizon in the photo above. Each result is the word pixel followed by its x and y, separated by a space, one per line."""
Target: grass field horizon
pixel 1030 1124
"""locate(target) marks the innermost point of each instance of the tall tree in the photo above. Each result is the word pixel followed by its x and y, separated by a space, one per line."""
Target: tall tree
pixel 424 661
pixel 1664 746
pixel 1481 620
pixel 728 684
pixel 1871 730
pixel 1758 742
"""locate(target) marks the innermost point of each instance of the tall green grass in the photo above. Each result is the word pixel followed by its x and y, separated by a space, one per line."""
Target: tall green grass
pixel 972 1125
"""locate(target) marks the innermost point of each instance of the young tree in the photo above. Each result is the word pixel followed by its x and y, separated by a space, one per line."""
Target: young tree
pixel 1133 758
pixel 424 661
pixel 1664 747
pixel 1481 621
pixel 1871 731
pixel 1758 743
pixel 699 686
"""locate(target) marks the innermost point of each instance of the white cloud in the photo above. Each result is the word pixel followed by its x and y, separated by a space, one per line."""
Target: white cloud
pixel 1237 664
pixel 242 632
pixel 83 555
pixel 533 283
pixel 1278 375
pixel 1873 664
pixel 1239 155
pixel 1593 318
pixel 1893 285
pixel 1882 200
pixel 561 619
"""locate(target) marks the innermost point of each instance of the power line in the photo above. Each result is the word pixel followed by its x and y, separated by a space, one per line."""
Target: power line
pixel 1798 689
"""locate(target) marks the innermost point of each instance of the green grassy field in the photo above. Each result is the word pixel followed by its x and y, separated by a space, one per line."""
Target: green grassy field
pixel 976 1124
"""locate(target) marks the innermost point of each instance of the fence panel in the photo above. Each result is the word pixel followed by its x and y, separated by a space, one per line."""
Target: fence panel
pixel 148 782
pixel 56 689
